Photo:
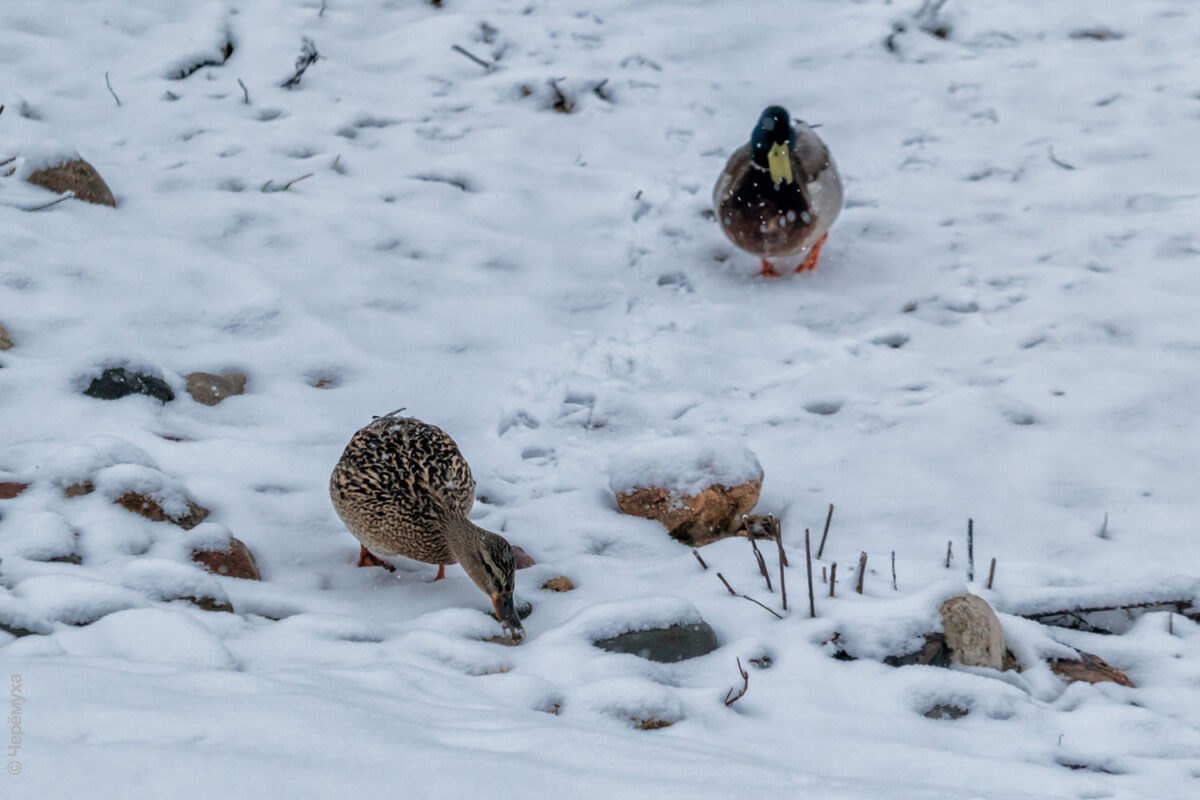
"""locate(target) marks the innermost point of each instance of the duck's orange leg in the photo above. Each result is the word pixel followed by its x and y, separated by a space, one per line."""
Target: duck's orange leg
pixel 368 559
pixel 767 270
pixel 441 572
pixel 810 263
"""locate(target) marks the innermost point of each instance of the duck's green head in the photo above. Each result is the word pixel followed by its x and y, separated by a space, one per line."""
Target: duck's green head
pixel 772 142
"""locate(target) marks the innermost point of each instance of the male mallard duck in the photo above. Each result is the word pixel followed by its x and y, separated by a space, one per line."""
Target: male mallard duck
pixel 403 488
pixel 779 194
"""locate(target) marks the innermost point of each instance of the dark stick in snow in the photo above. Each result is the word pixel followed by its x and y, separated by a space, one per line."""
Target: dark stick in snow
pixel 758 557
pixel 828 519
pixel 970 550
pixel 696 553
pixel 833 579
pixel 308 56
pixel 465 52
pixel 748 597
pixel 895 588
pixel 862 571
pixel 782 565
pixel 245 92
pixel 108 83
pixel 812 603
pixel 949 553
pixel 991 573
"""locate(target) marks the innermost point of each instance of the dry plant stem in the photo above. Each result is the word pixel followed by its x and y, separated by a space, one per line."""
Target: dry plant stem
pixel 731 697
pixel 824 577
pixel 991 574
pixel 812 603
pixel 949 553
pixel 1181 607
pixel 1171 624
pixel 65 197
pixel 267 186
pixel 758 557
pixel 825 534
pixel 748 597
pixel 699 558
pixel 1059 161
pixel 245 92
pixel 108 83
pixel 895 588
pixel 782 564
pixel 833 579
pixel 970 550
pixel 463 51
pixel 776 530
pixel 862 571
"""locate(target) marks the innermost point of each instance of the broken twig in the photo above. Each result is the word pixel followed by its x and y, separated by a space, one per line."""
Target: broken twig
pixel 991 574
pixel 895 588
pixel 108 83
pixel 833 579
pixel 731 696
pixel 465 52
pixel 758 557
pixel 748 597
pixel 699 558
pixel 1054 159
pixel 245 92
pixel 862 571
pixel 949 553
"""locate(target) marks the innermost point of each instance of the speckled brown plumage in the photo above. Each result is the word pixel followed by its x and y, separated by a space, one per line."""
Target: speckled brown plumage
pixel 394 484
pixel 403 488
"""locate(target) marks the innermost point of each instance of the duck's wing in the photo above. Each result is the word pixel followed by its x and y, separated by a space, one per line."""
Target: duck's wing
pixel 735 170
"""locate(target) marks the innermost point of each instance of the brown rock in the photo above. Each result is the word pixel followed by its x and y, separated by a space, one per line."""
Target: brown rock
pixel 696 519
pixel 947 711
pixel 1089 668
pixel 6 341
pixel 76 176
pixel 210 389
pixel 10 489
pixel 233 560
pixel 560 584
pixel 150 508
pixel 973 632
pixel 79 489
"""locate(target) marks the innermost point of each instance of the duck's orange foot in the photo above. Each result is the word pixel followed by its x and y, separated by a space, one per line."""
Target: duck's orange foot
pixel 441 572
pixel 368 559
pixel 810 263
pixel 768 271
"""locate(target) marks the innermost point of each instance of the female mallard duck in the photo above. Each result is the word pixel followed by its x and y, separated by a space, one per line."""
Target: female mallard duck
pixel 403 488
pixel 779 194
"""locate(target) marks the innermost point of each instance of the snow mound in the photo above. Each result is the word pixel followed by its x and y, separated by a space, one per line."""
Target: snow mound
pixel 684 466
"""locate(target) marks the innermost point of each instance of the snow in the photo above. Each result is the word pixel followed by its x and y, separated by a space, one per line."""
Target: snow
pixel 1002 327
pixel 684 466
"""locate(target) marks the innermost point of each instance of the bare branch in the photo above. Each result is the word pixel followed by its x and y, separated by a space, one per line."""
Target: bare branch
pixel 245 92
pixel 991 574
pixel 970 550
pixel 266 187
pixel 747 597
pixel 782 566
pixel 696 553
pixel 862 571
pixel 896 588
pixel 64 198
pixel 833 579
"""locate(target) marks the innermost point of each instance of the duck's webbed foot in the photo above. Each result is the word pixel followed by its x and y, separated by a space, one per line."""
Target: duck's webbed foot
pixel 768 271
pixel 810 263
pixel 368 559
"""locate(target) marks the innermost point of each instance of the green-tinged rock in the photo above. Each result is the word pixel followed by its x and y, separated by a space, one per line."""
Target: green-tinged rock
pixel 664 645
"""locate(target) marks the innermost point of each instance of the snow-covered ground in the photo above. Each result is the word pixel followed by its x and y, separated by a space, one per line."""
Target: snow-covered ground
pixel 1003 326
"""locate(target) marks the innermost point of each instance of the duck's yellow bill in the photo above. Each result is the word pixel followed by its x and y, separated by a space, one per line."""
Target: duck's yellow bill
pixel 779 160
